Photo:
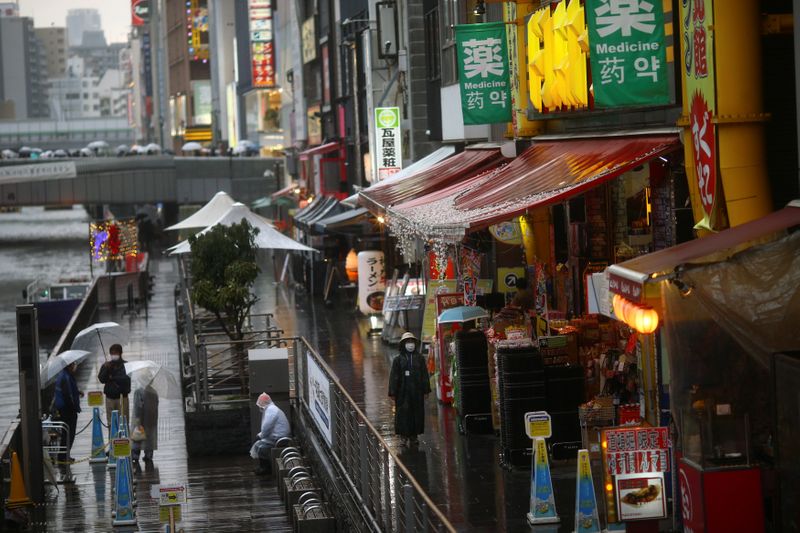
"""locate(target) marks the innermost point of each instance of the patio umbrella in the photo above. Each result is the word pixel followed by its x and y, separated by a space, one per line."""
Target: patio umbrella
pixel 99 337
pixel 206 215
pixel 57 363
pixel 191 146
pixel 144 373
pixel 94 145
pixel 268 238
pixel 463 313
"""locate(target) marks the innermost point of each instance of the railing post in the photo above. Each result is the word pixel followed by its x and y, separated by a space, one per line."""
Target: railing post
pixel 408 505
pixel 387 492
pixel 364 462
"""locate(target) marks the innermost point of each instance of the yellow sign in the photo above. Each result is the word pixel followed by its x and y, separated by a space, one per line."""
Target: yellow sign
pixel 122 447
pixel 558 43
pixel 506 232
pixel 541 452
pixel 164 510
pixel 584 466
pixel 538 425
pixel 507 278
pixel 94 398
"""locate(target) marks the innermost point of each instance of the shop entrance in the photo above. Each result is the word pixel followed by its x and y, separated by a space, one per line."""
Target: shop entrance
pixel 786 369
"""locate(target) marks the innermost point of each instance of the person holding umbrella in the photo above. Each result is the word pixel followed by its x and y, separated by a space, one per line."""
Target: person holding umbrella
pixel 117 383
pixel 145 423
pixel 408 386
pixel 67 402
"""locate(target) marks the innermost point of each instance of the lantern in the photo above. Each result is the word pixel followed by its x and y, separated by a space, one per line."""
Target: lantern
pixel 616 304
pixel 645 319
pixel 351 266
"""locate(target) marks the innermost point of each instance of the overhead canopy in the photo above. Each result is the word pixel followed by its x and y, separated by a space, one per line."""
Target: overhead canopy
pixel 546 173
pixel 208 214
pixel 321 149
pixel 628 278
pixel 267 238
pixel 284 192
pixel 453 169
pixel 332 207
pixel 418 166
pixel 313 209
pixel 351 218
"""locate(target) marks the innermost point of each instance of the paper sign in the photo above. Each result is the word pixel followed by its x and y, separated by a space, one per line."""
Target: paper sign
pixel 94 398
pixel 168 494
pixel 538 425
pixel 163 513
pixel 636 450
pixel 122 447
pixel 641 496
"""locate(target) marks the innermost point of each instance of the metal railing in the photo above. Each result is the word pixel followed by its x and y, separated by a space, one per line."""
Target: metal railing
pixel 384 496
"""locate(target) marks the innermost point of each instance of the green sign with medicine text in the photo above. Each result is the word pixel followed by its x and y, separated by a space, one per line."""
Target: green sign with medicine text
pixel 483 73
pixel 628 53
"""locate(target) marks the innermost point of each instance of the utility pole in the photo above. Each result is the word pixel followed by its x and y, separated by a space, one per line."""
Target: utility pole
pixel 29 401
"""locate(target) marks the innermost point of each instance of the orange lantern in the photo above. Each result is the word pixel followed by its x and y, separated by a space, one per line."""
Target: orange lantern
pixel 645 319
pixel 616 303
pixel 351 266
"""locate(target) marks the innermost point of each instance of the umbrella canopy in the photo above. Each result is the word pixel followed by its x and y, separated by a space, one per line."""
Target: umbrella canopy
pixel 268 238
pixel 97 144
pixel 191 146
pixel 97 338
pixel 57 363
pixel 150 373
pixel 208 214
pixel 463 313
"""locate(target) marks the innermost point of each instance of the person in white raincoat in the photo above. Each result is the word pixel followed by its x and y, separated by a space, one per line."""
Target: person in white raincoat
pixel 145 419
pixel 274 426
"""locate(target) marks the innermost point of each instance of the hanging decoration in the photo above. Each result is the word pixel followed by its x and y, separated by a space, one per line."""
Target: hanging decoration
pixel 470 272
pixel 113 239
pixel 642 318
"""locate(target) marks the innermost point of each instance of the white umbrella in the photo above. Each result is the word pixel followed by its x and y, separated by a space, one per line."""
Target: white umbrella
pixel 144 373
pixel 191 146
pixel 99 337
pixel 208 214
pixel 153 148
pixel 57 363
pixel 268 237
pixel 97 145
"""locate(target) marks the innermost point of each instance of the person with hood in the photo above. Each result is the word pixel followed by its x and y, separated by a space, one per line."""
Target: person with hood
pixel 144 434
pixel 408 387
pixel 67 402
pixel 117 383
pixel 274 426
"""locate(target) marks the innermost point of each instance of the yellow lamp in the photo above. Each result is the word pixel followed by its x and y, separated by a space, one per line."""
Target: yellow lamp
pixel 645 319
pixel 351 265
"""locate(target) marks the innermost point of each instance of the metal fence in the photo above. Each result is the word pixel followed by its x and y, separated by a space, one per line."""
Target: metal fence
pixel 384 494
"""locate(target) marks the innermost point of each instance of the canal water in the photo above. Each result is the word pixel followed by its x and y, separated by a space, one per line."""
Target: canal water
pixel 34 243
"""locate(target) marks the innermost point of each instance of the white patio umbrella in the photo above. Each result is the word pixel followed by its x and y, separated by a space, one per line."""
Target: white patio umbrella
pixel 57 363
pixel 208 214
pixel 97 338
pixel 97 144
pixel 268 238
pixel 191 146
pixel 144 373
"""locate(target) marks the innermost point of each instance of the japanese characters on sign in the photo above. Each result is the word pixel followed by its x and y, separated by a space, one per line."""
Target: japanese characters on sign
pixel 371 281
pixel 628 53
pixel 483 73
pixel 636 450
pixel 698 63
pixel 389 142
pixel 262 51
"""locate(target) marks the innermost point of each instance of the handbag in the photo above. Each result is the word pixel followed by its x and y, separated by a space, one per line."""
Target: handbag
pixel 138 434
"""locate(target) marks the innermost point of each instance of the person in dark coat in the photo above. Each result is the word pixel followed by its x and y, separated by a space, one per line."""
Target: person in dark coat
pixel 68 403
pixel 145 414
pixel 117 383
pixel 408 387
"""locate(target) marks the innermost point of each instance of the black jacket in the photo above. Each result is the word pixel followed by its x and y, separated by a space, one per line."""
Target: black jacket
pixel 117 382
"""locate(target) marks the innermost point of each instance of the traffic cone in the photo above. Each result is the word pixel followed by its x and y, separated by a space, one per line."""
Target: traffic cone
pixel 123 498
pixel 18 496
pixel 113 432
pixel 98 446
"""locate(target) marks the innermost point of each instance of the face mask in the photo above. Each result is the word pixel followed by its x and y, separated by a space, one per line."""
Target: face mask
pixel 410 346
pixel 115 358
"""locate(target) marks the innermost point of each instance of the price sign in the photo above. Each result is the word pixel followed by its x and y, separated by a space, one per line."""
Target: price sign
pixel 168 494
pixel 538 425
pixel 122 447
pixel 95 398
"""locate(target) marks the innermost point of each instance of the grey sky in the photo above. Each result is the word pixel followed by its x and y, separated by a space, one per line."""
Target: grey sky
pixel 114 14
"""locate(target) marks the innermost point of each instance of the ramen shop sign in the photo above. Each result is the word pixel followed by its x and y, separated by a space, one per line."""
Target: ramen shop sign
pixel 636 450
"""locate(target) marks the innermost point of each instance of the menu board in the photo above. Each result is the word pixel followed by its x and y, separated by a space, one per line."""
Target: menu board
pixel 636 450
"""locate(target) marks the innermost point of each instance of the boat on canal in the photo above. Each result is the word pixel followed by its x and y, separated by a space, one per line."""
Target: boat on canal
pixel 56 302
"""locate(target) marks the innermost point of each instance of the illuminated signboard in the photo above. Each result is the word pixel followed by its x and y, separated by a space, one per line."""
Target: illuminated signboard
pixel 113 239
pixel 262 47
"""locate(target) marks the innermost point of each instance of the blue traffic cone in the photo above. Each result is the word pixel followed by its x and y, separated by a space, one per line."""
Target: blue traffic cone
pixel 98 446
pixel 127 463
pixel 123 498
pixel 113 432
pixel 586 517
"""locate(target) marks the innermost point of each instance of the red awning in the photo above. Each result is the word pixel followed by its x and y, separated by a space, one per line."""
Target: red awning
pixel 321 149
pixel 546 173
pixel 443 174
pixel 286 191
pixel 628 278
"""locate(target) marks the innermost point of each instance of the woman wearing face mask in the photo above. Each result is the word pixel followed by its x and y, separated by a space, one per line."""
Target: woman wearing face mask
pixel 408 386
pixel 117 383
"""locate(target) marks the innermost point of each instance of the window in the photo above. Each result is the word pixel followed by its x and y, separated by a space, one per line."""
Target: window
pixel 449 19
pixel 433 45
pixel 85 96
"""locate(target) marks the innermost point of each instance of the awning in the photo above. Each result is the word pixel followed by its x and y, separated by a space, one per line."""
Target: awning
pixel 206 215
pixel 321 149
pixel 628 278
pixel 326 206
pixel 418 166
pixel 546 173
pixel 453 169
pixel 286 191
pixel 350 218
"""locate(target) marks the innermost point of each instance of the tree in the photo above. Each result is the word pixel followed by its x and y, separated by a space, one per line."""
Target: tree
pixel 224 269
